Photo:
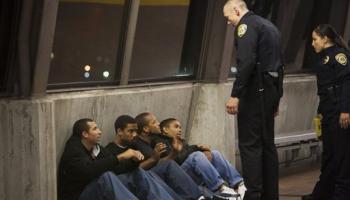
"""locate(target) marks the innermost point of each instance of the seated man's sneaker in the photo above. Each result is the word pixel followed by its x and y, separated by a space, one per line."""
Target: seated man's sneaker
pixel 228 193
pixel 218 197
pixel 204 198
pixel 241 189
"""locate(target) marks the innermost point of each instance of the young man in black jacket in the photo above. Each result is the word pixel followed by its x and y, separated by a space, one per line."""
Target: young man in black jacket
pixel 88 172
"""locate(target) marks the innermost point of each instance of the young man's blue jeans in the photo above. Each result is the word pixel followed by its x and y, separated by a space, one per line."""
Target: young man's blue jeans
pixel 213 173
pixel 177 179
pixel 134 185
pixel 107 186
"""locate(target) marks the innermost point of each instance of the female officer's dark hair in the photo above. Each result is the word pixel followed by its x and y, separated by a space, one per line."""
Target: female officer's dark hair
pixel 327 30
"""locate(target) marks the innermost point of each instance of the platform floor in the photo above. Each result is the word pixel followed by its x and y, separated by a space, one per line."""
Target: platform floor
pixel 297 181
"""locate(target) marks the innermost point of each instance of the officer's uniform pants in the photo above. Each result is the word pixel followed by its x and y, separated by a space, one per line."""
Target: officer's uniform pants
pixel 334 182
pixel 257 147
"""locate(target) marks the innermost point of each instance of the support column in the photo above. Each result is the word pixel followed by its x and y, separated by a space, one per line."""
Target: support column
pixel 27 141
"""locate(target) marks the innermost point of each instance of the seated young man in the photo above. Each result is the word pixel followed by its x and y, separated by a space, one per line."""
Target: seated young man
pixel 88 172
pixel 201 163
pixel 179 182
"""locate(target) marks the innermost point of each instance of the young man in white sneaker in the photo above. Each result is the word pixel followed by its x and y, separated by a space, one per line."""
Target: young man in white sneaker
pixel 203 164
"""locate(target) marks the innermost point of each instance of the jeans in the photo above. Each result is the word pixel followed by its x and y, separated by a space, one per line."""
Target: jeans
pixel 106 187
pixel 137 184
pixel 213 173
pixel 177 179
pixel 145 186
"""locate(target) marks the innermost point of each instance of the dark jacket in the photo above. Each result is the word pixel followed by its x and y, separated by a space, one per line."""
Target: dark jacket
pixel 182 155
pixel 77 168
pixel 185 152
pixel 127 165
pixel 258 45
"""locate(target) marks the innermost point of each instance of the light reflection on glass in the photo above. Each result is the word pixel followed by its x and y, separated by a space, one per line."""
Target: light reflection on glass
pixel 106 74
pixel 86 74
pixel 87 68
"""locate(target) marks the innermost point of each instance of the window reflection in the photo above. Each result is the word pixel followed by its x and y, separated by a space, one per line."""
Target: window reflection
pixel 159 40
pixel 86 40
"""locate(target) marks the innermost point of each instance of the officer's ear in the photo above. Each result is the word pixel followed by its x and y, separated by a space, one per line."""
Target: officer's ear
pixel 326 39
pixel 236 11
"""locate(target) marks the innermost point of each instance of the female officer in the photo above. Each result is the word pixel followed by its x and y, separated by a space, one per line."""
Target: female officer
pixel 333 83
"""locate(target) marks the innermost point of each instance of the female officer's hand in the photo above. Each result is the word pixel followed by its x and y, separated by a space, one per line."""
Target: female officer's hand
pixel 344 120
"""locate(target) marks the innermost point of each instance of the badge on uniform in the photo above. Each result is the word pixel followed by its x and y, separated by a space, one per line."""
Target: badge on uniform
pixel 341 58
pixel 242 29
pixel 325 60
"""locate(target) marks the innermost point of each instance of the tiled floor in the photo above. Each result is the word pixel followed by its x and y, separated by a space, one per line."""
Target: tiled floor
pixel 298 181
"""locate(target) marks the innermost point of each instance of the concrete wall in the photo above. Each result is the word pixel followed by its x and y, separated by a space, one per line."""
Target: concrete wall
pixel 34 131
pixel 105 106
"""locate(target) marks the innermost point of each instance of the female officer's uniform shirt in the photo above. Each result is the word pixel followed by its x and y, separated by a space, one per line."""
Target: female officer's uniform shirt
pixel 333 79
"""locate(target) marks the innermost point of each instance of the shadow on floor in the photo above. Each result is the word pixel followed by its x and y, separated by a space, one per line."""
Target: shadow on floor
pixel 298 180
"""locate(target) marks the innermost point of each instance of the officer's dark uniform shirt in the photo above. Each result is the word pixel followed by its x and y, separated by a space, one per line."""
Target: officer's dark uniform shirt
pixel 257 43
pixel 333 79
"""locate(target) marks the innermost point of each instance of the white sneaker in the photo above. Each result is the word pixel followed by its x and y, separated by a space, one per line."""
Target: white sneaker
pixel 229 193
pixel 241 189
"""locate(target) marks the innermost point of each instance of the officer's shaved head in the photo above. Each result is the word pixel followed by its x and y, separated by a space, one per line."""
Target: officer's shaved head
pixel 239 3
pixel 234 11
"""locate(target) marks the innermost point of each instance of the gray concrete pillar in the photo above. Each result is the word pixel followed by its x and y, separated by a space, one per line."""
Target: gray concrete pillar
pixel 208 121
pixel 27 151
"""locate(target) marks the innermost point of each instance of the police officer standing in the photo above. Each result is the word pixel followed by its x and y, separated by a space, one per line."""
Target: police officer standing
pixel 333 83
pixel 255 98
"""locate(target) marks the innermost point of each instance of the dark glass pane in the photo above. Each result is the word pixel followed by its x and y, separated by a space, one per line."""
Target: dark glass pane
pixel 86 41
pixel 9 15
pixel 159 40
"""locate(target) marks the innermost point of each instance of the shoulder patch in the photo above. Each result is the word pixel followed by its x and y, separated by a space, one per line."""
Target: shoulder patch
pixel 341 58
pixel 325 60
pixel 242 29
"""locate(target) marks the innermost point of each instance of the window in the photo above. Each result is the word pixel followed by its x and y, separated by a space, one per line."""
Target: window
pixel 86 41
pixel 159 40
pixel 9 11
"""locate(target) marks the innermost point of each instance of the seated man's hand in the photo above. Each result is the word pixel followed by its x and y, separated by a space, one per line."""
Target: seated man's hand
pixel 158 150
pixel 208 155
pixel 203 147
pixel 131 154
